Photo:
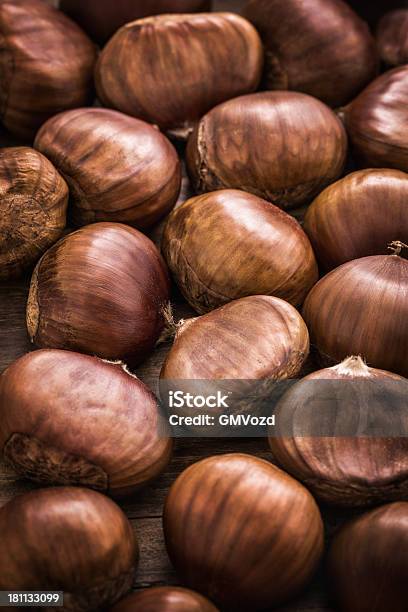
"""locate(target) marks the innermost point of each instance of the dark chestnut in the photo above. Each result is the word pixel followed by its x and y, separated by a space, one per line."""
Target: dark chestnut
pixel 100 290
pixel 230 244
pixel 392 38
pixel 67 539
pixel 242 532
pixel 118 168
pixel 368 561
pixel 361 308
pixel 358 215
pixel 376 122
pixel 372 10
pixel 171 69
pixel 165 599
pixel 33 205
pixel 46 65
pixel 282 146
pixel 305 52
pixel 68 418
pixel 344 468
pixel 101 18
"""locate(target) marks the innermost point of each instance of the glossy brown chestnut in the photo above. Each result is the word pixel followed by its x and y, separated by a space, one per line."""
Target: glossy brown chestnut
pixel 282 146
pixel 305 52
pixel 68 418
pixel 46 65
pixel 171 69
pixel 242 532
pixel 361 308
pixel 101 18
pixel 33 205
pixel 118 168
pixel 392 38
pixel 357 216
pixel 68 539
pixel 100 290
pixel 165 599
pixel 229 244
pixel 376 121
pixel 368 561
pixel 264 338
pixel 346 469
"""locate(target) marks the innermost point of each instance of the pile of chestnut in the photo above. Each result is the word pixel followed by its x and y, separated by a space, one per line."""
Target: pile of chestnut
pixel 295 109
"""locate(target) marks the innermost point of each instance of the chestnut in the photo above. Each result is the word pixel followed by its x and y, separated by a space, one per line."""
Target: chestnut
pixel 358 215
pixel 242 532
pixel 33 205
pixel 282 146
pixel 67 418
pixel 305 52
pixel 368 561
pixel 339 466
pixel 101 18
pixel 46 65
pixel 264 338
pixel 118 168
pixel 376 121
pixel 164 599
pixel 230 244
pixel 100 290
pixel 67 539
pixel 361 308
pixel 171 69
pixel 392 38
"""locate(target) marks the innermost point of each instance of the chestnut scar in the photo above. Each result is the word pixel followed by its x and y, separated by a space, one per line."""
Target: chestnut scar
pixel 44 463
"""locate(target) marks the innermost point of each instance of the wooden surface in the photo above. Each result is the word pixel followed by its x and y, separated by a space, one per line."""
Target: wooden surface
pixel 145 510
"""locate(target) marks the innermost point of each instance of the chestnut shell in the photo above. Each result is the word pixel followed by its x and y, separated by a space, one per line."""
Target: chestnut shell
pixel 242 532
pixel 357 216
pixel 100 290
pixel 72 419
pixel 46 65
pixel 171 69
pixel 67 539
pixel 101 18
pixel 361 308
pixel 118 168
pixel 165 599
pixel 318 47
pixel 368 561
pixel 33 205
pixel 255 249
pixel 376 122
pixel 392 38
pixel 264 338
pixel 345 471
pixel 282 146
